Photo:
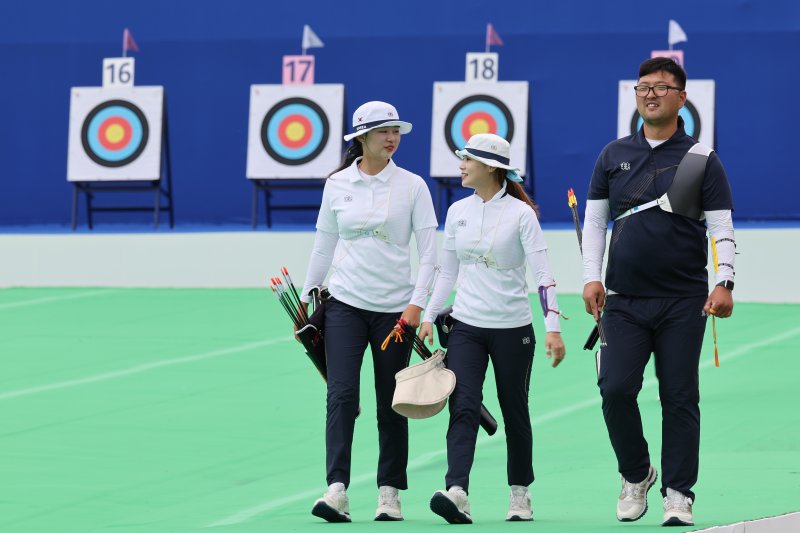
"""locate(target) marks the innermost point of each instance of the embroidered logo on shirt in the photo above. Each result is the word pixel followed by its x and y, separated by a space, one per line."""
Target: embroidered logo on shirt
pixel 461 223
pixel 348 198
pixel 625 165
pixel 526 340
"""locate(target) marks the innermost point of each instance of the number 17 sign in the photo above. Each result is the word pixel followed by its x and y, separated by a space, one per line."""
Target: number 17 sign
pixel 298 70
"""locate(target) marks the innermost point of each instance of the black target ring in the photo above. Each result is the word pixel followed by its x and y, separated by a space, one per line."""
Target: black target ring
pixel 305 110
pixel 115 110
pixel 479 104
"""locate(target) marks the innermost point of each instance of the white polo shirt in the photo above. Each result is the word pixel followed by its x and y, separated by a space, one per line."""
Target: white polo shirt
pixel 374 218
pixel 493 241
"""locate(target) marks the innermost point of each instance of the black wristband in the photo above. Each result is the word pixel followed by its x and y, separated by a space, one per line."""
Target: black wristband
pixel 727 284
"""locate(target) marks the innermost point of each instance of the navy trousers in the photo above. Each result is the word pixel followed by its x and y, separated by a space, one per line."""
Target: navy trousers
pixel 468 354
pixel 672 329
pixel 348 331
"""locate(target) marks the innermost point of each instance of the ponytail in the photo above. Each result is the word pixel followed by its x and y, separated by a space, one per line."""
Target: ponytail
pixel 353 152
pixel 515 189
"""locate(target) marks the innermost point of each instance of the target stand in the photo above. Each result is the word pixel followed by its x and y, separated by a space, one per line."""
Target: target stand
pixel 293 142
pixel 268 186
pixel 119 144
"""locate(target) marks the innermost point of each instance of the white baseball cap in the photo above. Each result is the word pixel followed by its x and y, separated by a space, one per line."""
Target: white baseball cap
pixel 376 115
pixel 492 150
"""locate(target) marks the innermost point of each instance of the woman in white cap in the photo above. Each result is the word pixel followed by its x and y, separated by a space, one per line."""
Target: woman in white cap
pixel 370 207
pixel 489 237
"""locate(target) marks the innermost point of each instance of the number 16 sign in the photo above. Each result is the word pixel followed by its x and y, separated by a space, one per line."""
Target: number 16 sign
pixel 298 70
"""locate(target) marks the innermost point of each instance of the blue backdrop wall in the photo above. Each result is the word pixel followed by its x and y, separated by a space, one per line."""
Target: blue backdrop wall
pixel 207 53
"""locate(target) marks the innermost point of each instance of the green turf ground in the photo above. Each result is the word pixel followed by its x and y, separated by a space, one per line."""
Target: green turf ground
pixel 176 410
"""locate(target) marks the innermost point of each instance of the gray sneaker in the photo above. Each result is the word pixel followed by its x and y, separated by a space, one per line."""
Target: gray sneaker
pixel 677 509
pixel 452 505
pixel 388 505
pixel 519 507
pixel 334 505
pixel 632 503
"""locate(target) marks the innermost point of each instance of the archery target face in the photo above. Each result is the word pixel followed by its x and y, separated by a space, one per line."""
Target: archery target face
pixel 480 113
pixel 697 113
pixel 461 110
pixel 115 134
pixel 294 131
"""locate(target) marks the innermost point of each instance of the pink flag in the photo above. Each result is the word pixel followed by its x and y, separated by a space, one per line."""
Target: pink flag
pixel 127 42
pixel 492 37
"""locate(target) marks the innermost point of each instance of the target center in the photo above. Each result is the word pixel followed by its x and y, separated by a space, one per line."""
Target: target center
pixel 295 131
pixel 479 126
pixel 115 133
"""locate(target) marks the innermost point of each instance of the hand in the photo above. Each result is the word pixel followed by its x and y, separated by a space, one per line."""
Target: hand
pixel 554 346
pixel 594 298
pixel 426 330
pixel 719 303
pixel 412 315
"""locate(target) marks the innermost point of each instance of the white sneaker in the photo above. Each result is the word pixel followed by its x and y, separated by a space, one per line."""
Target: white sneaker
pixel 519 508
pixel 388 505
pixel 334 505
pixel 632 503
pixel 677 509
pixel 452 505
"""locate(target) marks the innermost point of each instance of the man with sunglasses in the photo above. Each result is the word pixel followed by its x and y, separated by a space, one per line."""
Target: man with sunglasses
pixel 664 191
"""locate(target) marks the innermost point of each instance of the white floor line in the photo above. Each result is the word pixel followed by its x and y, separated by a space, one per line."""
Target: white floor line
pixel 49 299
pixel 141 368
pixel 422 460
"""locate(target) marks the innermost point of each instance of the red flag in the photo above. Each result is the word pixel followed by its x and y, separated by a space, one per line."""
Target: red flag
pixel 492 37
pixel 127 41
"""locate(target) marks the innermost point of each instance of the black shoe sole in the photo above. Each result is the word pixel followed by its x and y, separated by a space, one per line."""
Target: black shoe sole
pixel 444 507
pixel 516 518
pixel 675 521
pixel 383 517
pixel 645 502
pixel 326 512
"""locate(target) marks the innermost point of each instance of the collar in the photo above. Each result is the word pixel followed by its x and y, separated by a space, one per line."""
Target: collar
pixel 382 176
pixel 679 133
pixel 502 193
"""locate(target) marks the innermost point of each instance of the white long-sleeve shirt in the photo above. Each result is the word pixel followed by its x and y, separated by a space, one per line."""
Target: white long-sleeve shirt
pixel 596 218
pixel 486 247
pixel 363 233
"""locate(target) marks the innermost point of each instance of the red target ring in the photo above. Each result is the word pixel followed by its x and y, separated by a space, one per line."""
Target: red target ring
pixel 115 133
pixel 295 131
pixel 475 122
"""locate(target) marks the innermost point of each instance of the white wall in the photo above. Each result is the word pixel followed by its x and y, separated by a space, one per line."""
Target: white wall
pixel 765 267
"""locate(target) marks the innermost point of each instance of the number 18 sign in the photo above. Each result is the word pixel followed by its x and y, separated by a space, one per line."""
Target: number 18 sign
pixel 298 70
pixel 481 67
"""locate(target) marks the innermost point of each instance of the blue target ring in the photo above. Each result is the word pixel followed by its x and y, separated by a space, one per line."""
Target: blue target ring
pixel 477 114
pixel 114 133
pixel 295 131
pixel 691 120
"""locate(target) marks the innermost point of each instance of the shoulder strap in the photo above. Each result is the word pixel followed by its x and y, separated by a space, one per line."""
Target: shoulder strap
pixel 684 196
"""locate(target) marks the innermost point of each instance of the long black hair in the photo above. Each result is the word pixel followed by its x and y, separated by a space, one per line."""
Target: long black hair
pixel 514 189
pixel 353 152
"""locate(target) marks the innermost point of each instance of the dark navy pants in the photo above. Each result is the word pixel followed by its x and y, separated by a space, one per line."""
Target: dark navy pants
pixel 348 331
pixel 468 354
pixel 672 329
